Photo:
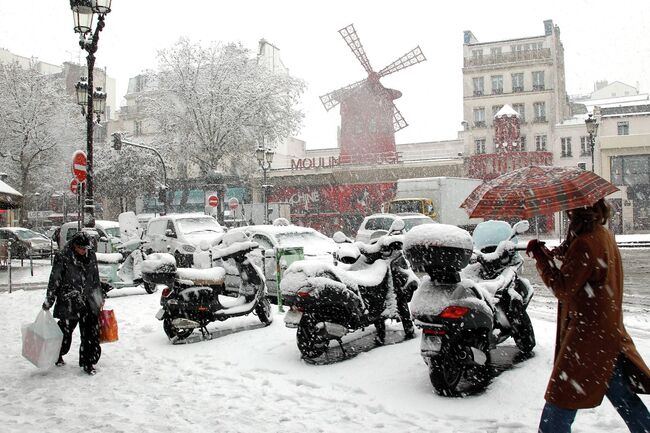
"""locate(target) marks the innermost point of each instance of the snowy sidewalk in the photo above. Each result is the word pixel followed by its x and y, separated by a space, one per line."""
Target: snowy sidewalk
pixel 22 278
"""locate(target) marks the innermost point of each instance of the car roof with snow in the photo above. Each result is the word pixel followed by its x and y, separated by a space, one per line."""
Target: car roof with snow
pixel 271 230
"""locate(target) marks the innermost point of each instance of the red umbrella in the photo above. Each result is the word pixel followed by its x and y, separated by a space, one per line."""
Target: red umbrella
pixel 536 190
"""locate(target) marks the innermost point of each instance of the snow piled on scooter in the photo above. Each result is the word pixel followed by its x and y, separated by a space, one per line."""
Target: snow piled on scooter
pixel 430 299
pixel 437 235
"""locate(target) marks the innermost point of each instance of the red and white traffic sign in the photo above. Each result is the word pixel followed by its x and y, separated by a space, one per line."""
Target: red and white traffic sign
pixel 79 165
pixel 213 201
pixel 233 203
pixel 74 186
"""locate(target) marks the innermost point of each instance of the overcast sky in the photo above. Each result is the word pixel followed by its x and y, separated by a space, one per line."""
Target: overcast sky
pixel 602 40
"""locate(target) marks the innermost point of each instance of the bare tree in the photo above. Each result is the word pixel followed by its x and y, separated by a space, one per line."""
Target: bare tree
pixel 37 121
pixel 214 105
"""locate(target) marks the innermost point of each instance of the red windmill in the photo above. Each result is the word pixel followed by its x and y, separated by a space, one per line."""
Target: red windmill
pixel 369 117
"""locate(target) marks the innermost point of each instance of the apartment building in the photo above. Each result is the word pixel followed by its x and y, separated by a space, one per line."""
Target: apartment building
pixel 525 73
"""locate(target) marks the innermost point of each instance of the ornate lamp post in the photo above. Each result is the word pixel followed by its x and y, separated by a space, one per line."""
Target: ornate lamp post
pixel 92 101
pixel 264 157
pixel 592 129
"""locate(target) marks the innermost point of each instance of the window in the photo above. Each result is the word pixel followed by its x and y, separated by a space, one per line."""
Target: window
pixel 540 111
pixel 522 143
pixel 497 84
pixel 520 108
pixel 479 144
pixel 538 80
pixel 477 54
pixel 630 170
pixel 495 109
pixel 479 117
pixel 518 82
pixel 540 143
pixel 623 128
pixel 478 86
pixel 137 128
pixel 582 165
pixel 263 241
pixel 495 51
pixel 566 147
pixel 381 223
pixel 585 147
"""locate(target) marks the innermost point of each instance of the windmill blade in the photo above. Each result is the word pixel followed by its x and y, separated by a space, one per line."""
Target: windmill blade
pixel 332 99
pixel 411 58
pixel 349 34
pixel 398 120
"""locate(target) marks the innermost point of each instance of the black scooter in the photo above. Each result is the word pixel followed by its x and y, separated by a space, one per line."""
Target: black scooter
pixel 193 298
pixel 368 284
pixel 464 315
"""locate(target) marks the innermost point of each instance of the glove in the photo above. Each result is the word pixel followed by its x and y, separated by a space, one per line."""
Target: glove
pixel 46 306
pixel 537 249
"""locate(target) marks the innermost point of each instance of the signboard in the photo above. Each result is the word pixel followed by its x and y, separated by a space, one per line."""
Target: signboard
pixel 233 203
pixel 79 165
pixel 213 201
pixel 74 186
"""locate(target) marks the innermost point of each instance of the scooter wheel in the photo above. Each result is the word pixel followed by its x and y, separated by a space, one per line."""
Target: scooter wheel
pixel 310 344
pixel 525 334
pixel 173 332
pixel 150 287
pixel 445 376
pixel 263 311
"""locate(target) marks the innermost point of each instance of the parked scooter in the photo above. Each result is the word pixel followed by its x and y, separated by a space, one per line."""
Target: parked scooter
pixel 465 311
pixel 123 268
pixel 367 285
pixel 193 298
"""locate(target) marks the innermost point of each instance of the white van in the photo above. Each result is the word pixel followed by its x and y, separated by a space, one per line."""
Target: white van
pixel 181 235
pixel 108 231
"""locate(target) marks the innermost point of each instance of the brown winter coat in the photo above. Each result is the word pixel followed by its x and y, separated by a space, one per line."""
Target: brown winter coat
pixel 590 330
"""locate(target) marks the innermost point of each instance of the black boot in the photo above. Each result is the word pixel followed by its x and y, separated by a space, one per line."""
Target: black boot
pixel 89 369
pixel 60 362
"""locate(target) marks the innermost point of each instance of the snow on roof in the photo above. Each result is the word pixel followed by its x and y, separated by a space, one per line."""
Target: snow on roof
pixel 271 230
pixel 506 110
pixel 6 189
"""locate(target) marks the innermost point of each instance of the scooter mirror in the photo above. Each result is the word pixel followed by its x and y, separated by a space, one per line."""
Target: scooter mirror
pixel 521 227
pixel 397 226
pixel 340 238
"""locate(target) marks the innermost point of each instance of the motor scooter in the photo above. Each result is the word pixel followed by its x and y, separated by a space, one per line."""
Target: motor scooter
pixel 365 286
pixel 466 309
pixel 123 268
pixel 193 298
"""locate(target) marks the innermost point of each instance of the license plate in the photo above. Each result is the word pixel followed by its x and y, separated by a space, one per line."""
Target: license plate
pixel 160 314
pixel 292 318
pixel 430 343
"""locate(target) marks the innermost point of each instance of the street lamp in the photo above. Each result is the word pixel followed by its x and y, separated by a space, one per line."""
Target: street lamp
pixel 592 129
pixel 264 157
pixel 119 141
pixel 92 101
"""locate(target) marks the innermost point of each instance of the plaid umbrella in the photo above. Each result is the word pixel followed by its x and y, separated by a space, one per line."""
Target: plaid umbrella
pixel 536 190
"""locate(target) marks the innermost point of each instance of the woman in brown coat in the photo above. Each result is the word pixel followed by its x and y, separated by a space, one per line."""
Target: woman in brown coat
pixel 594 354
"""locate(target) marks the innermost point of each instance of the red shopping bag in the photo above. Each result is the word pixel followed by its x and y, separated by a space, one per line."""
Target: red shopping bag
pixel 107 326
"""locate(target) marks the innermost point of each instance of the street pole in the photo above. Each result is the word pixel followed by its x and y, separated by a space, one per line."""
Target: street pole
pixel 266 198
pixel 591 144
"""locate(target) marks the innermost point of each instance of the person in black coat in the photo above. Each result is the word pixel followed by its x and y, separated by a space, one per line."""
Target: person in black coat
pixel 75 291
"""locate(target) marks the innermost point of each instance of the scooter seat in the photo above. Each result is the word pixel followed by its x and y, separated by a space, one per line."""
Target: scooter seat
pixel 109 258
pixel 202 277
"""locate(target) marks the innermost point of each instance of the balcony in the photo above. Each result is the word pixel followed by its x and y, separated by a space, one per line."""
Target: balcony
pixel 497 91
pixel 480 124
pixel 505 58
pixel 517 89
pixel 538 87
pixel 478 93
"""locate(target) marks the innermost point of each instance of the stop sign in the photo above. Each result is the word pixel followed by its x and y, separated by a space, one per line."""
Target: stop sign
pixel 74 186
pixel 79 164
pixel 213 201
pixel 233 203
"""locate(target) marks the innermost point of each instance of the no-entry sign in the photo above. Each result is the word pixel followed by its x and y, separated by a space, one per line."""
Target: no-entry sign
pixel 74 186
pixel 213 201
pixel 233 203
pixel 79 165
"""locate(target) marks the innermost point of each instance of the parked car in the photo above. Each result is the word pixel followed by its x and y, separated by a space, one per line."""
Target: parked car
pixel 271 239
pixel 26 242
pixel 377 225
pixel 108 233
pixel 181 235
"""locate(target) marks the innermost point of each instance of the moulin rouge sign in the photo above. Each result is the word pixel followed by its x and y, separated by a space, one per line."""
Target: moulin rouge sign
pixel 312 163
pixel 334 161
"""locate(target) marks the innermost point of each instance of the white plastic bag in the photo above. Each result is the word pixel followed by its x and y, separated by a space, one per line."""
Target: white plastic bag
pixel 42 340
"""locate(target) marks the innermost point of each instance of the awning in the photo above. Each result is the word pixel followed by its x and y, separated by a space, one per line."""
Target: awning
pixel 9 197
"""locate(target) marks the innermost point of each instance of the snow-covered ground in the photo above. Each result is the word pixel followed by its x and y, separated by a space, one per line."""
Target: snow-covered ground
pixel 255 381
